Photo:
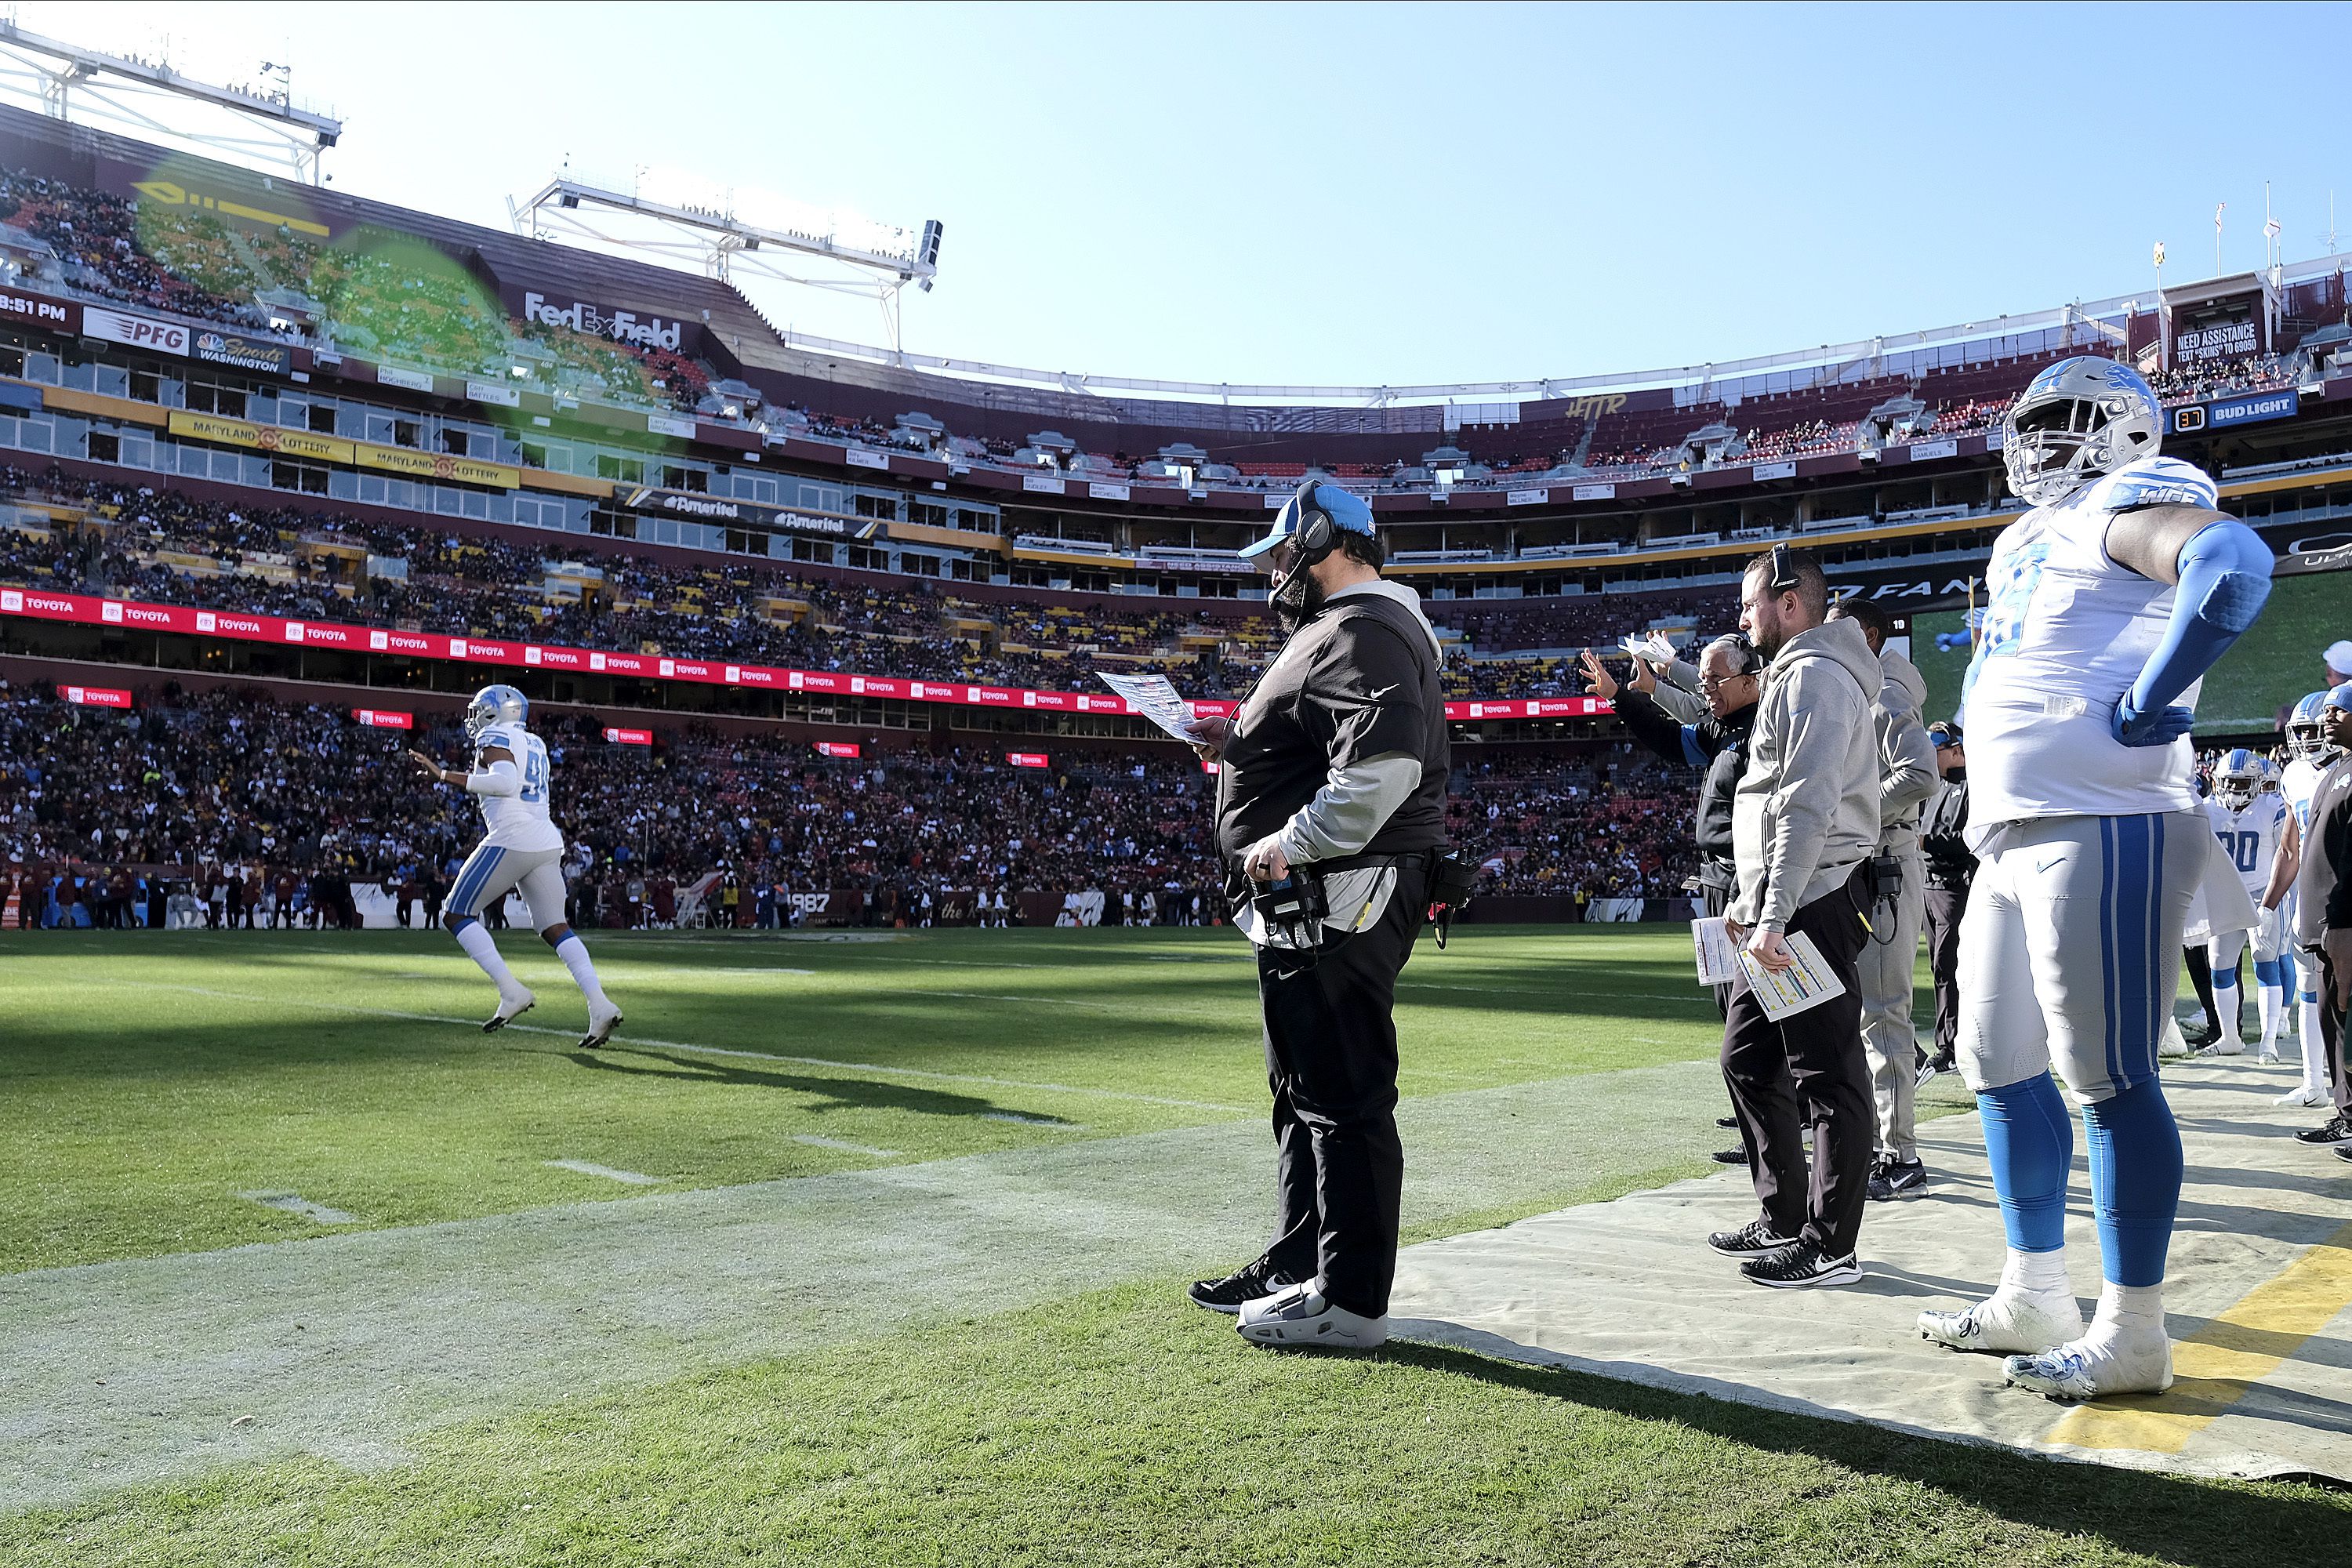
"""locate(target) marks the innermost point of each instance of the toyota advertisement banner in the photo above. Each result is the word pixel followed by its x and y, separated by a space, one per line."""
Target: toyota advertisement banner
pixel 90 610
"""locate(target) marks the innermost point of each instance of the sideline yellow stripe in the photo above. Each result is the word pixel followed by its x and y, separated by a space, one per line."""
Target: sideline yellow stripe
pixel 2212 1369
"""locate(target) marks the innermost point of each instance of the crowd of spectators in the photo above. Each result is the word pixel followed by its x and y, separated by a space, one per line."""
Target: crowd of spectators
pixel 243 803
pixel 166 546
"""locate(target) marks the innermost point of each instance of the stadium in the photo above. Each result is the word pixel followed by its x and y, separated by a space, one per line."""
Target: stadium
pixel 865 1236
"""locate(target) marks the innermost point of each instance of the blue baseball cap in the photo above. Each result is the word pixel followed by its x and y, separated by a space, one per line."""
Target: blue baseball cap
pixel 2340 696
pixel 1349 512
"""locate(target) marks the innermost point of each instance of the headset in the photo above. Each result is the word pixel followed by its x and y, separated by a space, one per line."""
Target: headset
pixel 1784 577
pixel 1316 536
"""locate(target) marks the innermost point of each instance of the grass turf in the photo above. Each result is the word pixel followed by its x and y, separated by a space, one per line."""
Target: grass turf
pixel 1125 1427
pixel 2265 671
pixel 169 1073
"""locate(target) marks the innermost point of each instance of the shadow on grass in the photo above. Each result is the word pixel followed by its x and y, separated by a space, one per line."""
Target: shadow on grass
pixel 832 1093
pixel 2173 1519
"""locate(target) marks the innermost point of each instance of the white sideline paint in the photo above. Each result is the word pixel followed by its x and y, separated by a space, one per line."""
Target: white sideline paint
pixel 814 1141
pixel 402 1330
pixel 635 1178
pixel 625 1041
pixel 295 1203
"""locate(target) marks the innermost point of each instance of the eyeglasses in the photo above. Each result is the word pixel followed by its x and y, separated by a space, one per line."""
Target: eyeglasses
pixel 1707 685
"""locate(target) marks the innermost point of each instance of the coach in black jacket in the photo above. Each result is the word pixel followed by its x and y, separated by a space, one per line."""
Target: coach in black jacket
pixel 1333 773
pixel 1951 868
pixel 1729 672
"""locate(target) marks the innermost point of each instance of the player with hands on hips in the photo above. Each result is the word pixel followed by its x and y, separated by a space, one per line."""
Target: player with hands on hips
pixel 521 848
pixel 2108 601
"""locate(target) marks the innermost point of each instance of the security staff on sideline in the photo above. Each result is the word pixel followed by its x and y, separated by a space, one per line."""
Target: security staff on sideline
pixel 1906 777
pixel 1730 675
pixel 1951 868
pixel 1331 807
pixel 1804 820
pixel 2323 901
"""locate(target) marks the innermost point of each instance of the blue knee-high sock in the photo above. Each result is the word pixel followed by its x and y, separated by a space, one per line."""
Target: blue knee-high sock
pixel 2268 973
pixel 2135 1182
pixel 2029 1140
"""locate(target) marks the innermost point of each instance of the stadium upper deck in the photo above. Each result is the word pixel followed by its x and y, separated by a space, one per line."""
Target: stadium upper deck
pixel 218 335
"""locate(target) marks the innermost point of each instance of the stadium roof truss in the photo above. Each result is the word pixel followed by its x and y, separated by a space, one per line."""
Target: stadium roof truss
pixel 70 81
pixel 722 245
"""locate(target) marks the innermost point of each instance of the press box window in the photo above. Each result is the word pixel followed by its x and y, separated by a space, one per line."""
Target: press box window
pixel 105 448
pixel 204 397
pixel 322 419
pixel 628 470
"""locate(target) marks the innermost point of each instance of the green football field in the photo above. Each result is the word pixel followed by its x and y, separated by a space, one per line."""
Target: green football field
pixel 868 1250
pixel 2264 672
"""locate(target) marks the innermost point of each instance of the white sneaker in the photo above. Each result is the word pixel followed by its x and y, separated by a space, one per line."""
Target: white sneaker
pixel 2269 1054
pixel 512 1004
pixel 2304 1095
pixel 2080 1370
pixel 1300 1316
pixel 600 1028
pixel 2007 1323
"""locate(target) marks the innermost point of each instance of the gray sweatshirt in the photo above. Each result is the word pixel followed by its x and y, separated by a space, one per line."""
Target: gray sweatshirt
pixel 1907 757
pixel 1806 812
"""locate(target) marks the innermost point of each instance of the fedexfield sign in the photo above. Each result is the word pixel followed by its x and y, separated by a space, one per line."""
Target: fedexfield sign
pixel 620 326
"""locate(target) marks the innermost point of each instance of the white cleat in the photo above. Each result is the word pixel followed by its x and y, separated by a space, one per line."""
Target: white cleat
pixel 2304 1095
pixel 600 1029
pixel 1300 1317
pixel 2227 1046
pixel 2077 1370
pixel 2269 1056
pixel 512 1004
pixel 2008 1322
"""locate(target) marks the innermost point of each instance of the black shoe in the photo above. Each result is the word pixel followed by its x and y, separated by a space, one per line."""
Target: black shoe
pixel 1246 1283
pixel 1754 1239
pixel 1798 1264
pixel 2204 1037
pixel 1892 1179
pixel 1941 1062
pixel 1727 1121
pixel 2342 1151
pixel 1731 1156
pixel 2336 1131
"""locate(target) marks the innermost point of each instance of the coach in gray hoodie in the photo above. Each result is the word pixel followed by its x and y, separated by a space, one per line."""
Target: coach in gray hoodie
pixel 1804 820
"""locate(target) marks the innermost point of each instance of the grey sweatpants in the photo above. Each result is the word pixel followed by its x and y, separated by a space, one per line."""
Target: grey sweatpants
pixel 1889 963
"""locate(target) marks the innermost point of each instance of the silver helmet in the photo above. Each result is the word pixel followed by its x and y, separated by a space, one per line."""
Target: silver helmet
pixel 2306 731
pixel 495 705
pixel 2080 419
pixel 2238 778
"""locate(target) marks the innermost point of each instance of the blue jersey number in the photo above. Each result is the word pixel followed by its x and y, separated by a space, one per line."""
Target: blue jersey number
pixel 2008 602
pixel 534 777
pixel 2243 849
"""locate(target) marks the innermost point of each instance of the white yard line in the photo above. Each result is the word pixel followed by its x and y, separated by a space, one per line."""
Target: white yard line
pixel 625 1041
pixel 587 1168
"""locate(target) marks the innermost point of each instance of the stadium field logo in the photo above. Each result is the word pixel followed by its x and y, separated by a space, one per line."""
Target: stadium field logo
pixel 621 326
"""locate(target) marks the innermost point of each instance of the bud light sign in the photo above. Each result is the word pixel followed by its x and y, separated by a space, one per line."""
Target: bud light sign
pixel 2252 408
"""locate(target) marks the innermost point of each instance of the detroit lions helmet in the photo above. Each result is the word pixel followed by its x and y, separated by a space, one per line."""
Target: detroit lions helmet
pixel 2238 778
pixel 495 705
pixel 2080 419
pixel 2306 731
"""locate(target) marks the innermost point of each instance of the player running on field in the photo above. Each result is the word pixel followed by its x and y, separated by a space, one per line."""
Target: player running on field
pixel 523 847
pixel 2108 602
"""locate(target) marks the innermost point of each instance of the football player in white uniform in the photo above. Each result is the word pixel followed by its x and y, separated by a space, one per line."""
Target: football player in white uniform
pixel 523 847
pixel 2108 601
pixel 2249 822
pixel 2309 752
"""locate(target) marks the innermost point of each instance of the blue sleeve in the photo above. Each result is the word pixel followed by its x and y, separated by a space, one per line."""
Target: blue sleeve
pixel 2225 577
pixel 1692 753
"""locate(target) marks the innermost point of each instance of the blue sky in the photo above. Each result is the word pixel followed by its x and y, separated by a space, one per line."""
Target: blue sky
pixel 1380 194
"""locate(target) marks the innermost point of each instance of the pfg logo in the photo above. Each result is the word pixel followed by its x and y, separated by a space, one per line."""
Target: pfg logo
pixel 621 326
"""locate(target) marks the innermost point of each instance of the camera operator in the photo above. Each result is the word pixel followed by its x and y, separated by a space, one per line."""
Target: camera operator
pixel 1331 806
pixel 1804 820
pixel 1906 777
pixel 1951 868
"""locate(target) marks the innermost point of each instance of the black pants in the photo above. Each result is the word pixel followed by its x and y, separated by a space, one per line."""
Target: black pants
pixel 1946 903
pixel 1331 1059
pixel 1812 1059
pixel 2331 1029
